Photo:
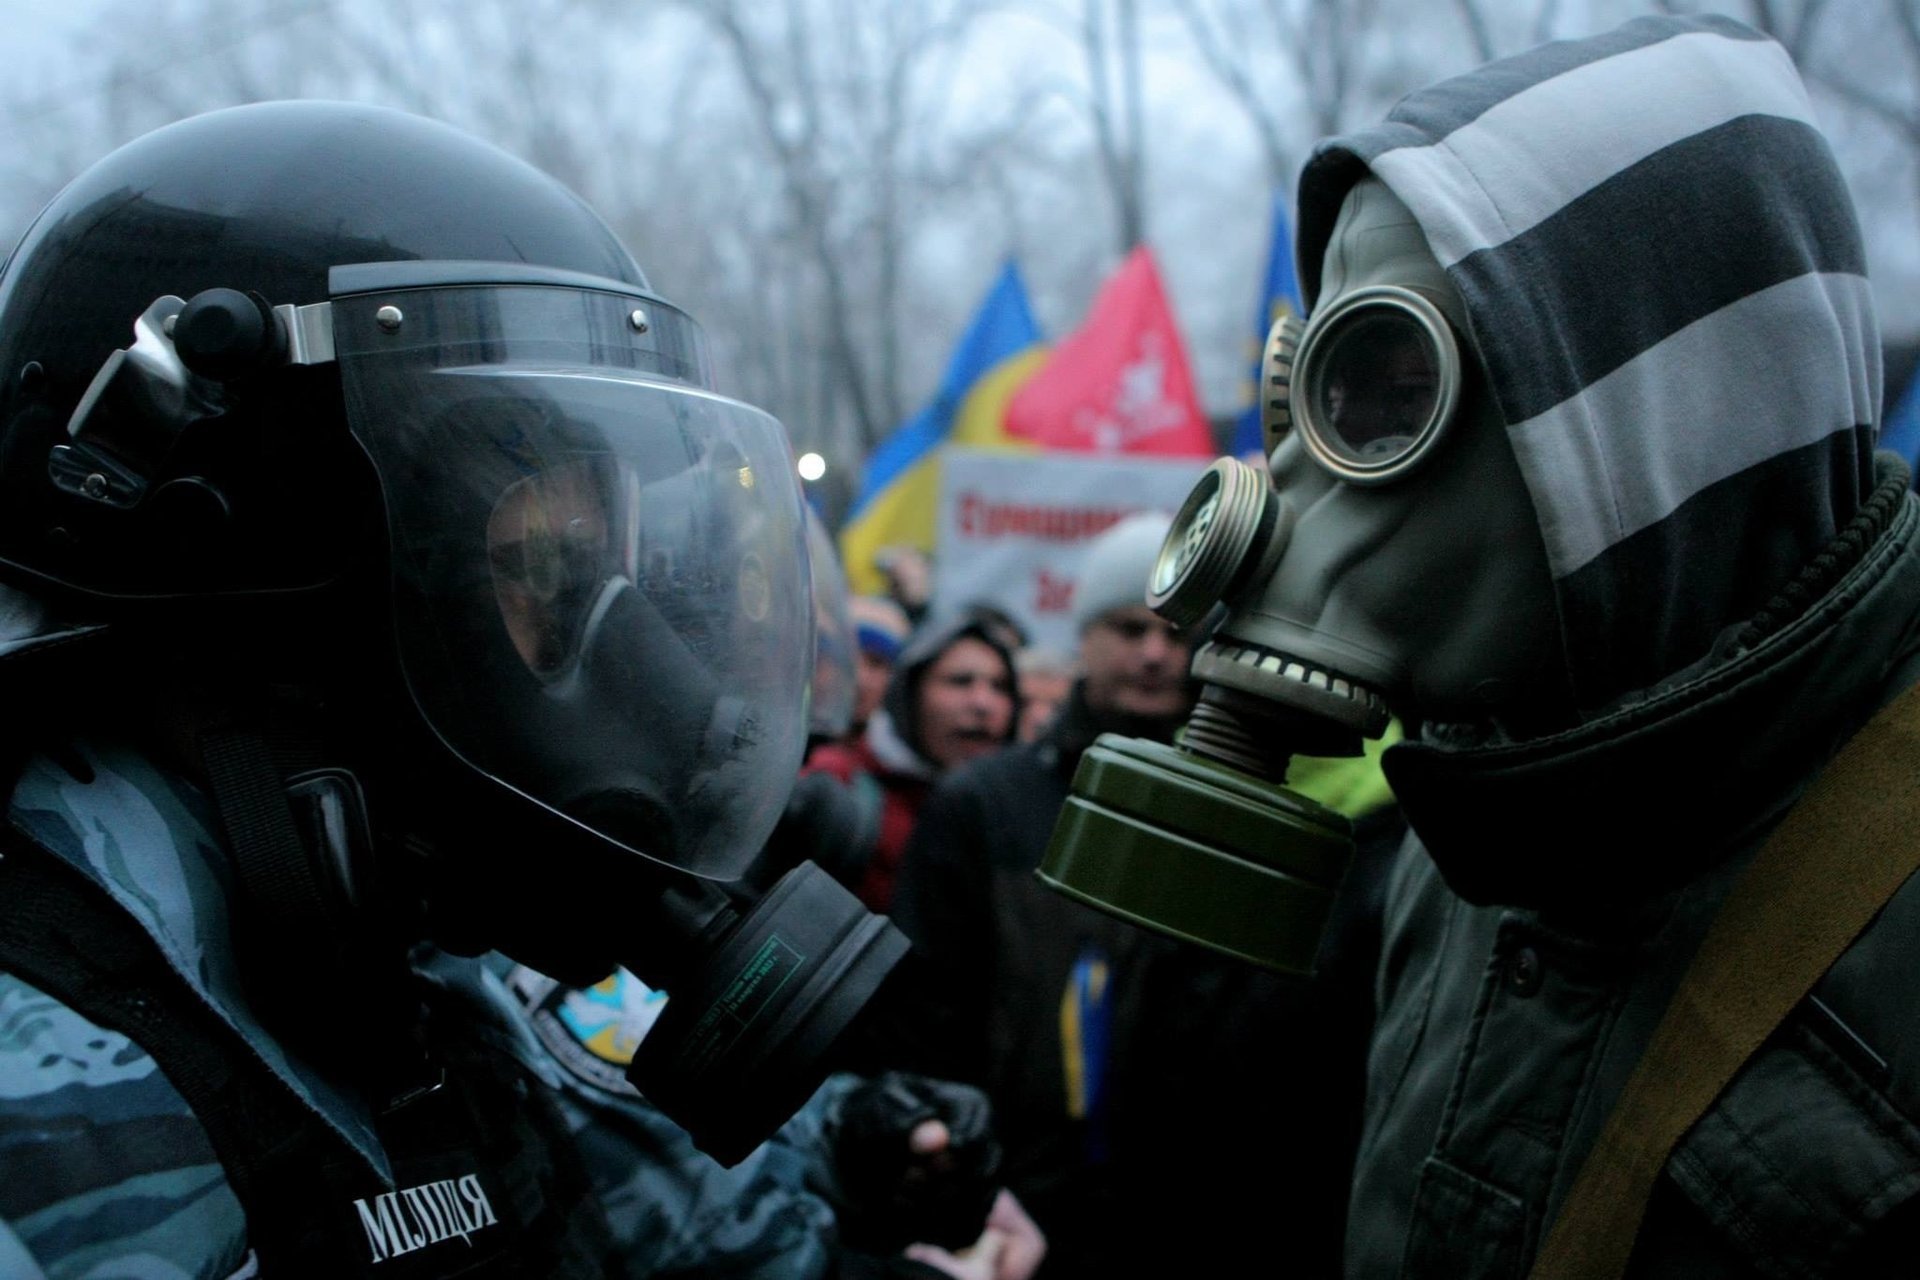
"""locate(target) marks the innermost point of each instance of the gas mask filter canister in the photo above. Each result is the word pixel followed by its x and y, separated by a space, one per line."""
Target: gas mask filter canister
pixel 1203 840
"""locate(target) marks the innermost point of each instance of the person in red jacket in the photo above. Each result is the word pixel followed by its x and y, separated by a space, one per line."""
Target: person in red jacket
pixel 880 629
pixel 953 698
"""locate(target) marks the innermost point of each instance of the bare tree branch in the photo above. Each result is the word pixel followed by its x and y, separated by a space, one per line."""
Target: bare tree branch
pixel 1888 110
pixel 1230 61
pixel 1477 29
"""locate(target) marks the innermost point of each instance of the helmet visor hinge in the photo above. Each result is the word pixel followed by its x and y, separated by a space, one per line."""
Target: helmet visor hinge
pixel 146 394
pixel 309 331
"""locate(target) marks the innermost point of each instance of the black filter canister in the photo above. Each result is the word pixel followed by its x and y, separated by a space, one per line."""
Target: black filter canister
pixel 745 1037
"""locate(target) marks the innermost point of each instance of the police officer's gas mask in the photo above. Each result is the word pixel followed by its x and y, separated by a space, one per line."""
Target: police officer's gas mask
pixel 601 612
pixel 1387 561
pixel 382 438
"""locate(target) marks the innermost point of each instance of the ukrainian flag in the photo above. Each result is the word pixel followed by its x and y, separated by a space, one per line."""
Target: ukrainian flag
pixel 1280 295
pixel 900 490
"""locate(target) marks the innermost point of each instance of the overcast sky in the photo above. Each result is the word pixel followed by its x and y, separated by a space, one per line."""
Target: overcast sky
pixel 1206 192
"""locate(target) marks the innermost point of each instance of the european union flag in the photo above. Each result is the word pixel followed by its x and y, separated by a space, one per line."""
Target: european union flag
pixel 1900 430
pixel 1281 294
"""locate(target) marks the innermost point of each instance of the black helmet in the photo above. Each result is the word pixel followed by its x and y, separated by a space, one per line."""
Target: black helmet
pixel 232 341
pixel 343 355
pixel 265 199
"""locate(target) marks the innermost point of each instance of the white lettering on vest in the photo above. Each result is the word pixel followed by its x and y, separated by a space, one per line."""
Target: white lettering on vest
pixel 410 1218
pixel 477 1197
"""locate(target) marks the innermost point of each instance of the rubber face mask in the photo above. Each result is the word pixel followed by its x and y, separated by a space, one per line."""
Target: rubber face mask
pixel 601 593
pixel 1390 560
pixel 1411 562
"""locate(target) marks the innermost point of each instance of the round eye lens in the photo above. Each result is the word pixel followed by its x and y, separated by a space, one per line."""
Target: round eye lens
pixel 547 546
pixel 1376 386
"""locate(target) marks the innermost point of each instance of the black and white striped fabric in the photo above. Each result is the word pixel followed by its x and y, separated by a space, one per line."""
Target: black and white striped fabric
pixel 1666 285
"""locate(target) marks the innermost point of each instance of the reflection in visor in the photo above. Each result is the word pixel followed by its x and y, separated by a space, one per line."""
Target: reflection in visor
pixel 549 551
pixel 601 596
pixel 1376 386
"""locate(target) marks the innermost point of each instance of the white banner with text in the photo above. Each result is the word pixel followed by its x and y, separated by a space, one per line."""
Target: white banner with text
pixel 1013 527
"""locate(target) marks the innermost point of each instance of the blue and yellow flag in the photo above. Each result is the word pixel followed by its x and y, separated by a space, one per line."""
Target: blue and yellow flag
pixel 1280 295
pixel 1086 1032
pixel 900 490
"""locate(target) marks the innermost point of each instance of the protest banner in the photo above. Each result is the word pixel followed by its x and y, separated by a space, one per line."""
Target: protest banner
pixel 1012 528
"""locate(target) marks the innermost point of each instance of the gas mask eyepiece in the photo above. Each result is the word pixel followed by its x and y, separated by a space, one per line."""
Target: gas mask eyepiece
pixel 1372 385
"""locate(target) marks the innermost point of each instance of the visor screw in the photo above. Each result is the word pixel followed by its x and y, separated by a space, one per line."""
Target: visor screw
pixel 166 326
pixel 94 486
pixel 388 318
pixel 638 319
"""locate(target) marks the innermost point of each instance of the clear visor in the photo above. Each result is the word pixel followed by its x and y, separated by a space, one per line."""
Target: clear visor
pixel 1378 380
pixel 601 593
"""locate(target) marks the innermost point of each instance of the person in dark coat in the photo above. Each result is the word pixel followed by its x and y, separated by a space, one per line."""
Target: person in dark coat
pixel 1131 1075
pixel 952 698
pixel 1633 590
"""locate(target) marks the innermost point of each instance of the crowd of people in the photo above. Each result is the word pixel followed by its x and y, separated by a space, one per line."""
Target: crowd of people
pixel 1110 1054
pixel 424 856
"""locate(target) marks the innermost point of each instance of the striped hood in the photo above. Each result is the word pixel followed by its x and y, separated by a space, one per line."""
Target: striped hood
pixel 1666 284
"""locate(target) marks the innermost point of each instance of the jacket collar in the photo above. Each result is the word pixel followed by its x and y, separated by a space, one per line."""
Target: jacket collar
pixel 148 840
pixel 1644 798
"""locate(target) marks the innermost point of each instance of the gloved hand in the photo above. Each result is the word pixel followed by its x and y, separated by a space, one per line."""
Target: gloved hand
pixel 904 1183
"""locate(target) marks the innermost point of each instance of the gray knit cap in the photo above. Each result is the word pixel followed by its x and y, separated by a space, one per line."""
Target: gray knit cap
pixel 1117 566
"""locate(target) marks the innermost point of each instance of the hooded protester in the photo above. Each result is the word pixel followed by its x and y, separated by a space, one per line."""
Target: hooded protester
pixel 1583 484
pixel 953 698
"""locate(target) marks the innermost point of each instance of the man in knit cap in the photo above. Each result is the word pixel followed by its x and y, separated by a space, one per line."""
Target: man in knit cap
pixel 1133 663
pixel 1125 1069
pixel 880 629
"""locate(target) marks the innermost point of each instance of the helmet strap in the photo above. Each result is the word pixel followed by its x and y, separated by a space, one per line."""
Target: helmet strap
pixel 312 956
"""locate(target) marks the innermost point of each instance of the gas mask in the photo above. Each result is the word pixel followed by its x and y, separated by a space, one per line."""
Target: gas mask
pixel 601 616
pixel 1388 557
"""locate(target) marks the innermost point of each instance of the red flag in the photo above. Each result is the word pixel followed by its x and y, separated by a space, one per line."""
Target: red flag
pixel 1121 383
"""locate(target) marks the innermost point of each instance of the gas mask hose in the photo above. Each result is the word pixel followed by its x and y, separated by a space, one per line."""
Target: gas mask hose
pixel 1220 732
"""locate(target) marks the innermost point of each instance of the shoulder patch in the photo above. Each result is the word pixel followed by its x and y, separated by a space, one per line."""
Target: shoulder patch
pixel 591 1031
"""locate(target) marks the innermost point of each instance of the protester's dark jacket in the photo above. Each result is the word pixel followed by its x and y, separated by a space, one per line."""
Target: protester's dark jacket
pixel 1691 395
pixel 1214 1143
pixel 1506 1032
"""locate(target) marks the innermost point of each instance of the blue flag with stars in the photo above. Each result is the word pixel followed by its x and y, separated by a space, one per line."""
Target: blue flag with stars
pixel 1280 294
